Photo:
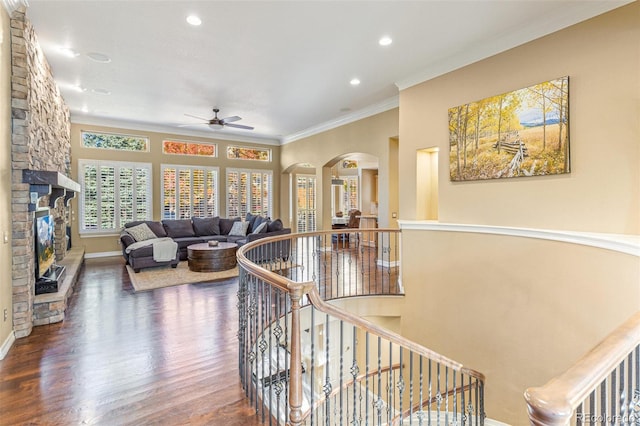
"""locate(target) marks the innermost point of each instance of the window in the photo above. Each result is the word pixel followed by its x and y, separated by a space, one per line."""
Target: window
pixel 249 191
pixel 350 200
pixel 306 204
pixel 189 191
pixel 113 193
pixel 240 153
pixel 115 141
pixel 189 148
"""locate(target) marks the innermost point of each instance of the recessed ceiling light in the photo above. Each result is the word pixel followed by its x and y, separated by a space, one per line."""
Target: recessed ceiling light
pixel 68 52
pixel 354 81
pixel 101 91
pixel 99 57
pixel 79 88
pixel 85 109
pixel 385 41
pixel 194 20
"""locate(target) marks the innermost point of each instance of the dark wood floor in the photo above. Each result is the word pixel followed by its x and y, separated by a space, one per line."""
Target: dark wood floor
pixel 167 356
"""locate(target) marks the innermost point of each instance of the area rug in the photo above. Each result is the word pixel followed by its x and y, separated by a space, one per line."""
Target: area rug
pixel 166 276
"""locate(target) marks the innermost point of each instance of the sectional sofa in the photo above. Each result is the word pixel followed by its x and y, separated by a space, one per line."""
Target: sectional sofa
pixel 185 232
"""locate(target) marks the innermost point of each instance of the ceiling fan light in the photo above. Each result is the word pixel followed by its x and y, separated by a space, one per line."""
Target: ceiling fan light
pixel 216 126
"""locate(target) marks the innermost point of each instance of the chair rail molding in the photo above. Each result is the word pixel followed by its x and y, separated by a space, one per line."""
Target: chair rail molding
pixel 623 243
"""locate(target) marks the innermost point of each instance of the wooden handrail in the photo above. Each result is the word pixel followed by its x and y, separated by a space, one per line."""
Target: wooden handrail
pixel 392 337
pixel 272 278
pixel 280 281
pixel 555 402
pixel 297 290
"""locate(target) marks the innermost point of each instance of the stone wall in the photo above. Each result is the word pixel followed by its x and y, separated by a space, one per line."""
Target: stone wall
pixel 41 140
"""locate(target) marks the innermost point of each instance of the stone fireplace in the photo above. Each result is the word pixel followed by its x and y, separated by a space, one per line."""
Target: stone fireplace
pixel 40 142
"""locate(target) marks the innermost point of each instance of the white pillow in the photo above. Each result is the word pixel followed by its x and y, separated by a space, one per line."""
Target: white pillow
pixel 260 228
pixel 141 232
pixel 239 229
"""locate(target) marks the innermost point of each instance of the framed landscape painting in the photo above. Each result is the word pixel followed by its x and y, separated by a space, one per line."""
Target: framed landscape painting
pixel 520 133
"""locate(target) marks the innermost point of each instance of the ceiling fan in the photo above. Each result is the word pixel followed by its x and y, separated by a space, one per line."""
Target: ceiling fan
pixel 219 123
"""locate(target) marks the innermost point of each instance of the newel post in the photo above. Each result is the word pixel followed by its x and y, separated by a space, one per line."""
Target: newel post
pixel 295 368
pixel 545 410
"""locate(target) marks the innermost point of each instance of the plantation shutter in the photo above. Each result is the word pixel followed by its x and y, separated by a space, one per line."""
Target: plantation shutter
pixel 189 191
pixel 169 200
pixel 113 194
pixel 248 191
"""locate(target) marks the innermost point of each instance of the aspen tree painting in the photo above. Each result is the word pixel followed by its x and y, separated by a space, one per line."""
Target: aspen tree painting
pixel 520 133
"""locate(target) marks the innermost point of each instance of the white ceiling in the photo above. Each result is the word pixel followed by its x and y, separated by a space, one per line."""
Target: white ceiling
pixel 283 66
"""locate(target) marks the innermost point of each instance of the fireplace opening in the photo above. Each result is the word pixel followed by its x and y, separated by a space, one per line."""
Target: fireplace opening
pixel 47 273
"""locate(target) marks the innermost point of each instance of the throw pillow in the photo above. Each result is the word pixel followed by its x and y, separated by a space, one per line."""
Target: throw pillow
pixel 204 226
pixel 239 229
pixel 259 229
pixel 276 225
pixel 126 239
pixel 227 224
pixel 251 219
pixel 141 232
pixel 156 227
pixel 177 228
pixel 257 220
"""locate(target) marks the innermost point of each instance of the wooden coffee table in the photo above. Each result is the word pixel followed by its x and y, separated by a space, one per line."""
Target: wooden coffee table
pixel 205 258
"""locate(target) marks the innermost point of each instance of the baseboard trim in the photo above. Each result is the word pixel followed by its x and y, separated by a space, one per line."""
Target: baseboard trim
pixel 6 345
pixel 102 254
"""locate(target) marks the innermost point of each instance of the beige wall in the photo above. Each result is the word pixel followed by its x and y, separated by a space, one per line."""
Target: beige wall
pixel 5 177
pixel 107 244
pixel 518 310
pixel 602 192
pixel 522 310
pixel 370 135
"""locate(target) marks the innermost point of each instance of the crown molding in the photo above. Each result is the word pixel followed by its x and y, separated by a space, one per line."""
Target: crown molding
pixel 623 243
pixel 580 11
pixel 374 109
pixel 147 127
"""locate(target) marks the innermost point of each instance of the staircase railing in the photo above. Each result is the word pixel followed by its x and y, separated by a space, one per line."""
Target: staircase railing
pixel 603 387
pixel 303 360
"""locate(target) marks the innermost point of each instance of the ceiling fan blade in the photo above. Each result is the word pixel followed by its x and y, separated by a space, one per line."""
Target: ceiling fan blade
pixel 238 126
pixel 192 124
pixel 231 119
pixel 199 118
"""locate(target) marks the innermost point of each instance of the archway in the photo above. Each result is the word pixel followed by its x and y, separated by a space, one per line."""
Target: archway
pixel 350 182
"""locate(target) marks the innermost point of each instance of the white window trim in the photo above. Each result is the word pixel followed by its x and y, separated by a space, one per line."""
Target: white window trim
pixel 179 167
pixel 106 232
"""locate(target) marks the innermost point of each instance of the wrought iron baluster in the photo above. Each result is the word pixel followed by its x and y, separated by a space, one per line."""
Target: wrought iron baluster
pixel 354 374
pixel 366 370
pixel 390 385
pixel 312 369
pixel 341 351
pixel 455 399
pixel 446 393
pixel 430 393
pixel 379 402
pixel 603 400
pixel 326 388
